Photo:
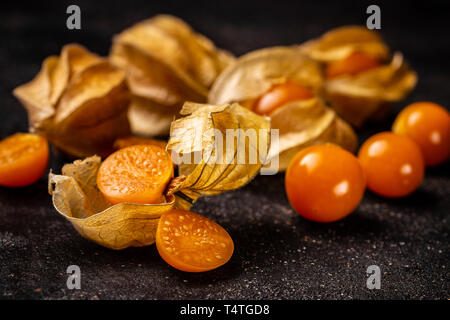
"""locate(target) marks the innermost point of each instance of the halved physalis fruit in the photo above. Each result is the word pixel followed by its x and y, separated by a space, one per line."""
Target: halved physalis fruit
pixel 136 174
pixel 128 141
pixel 23 159
pixel 280 95
pixel 193 243
pixel 355 63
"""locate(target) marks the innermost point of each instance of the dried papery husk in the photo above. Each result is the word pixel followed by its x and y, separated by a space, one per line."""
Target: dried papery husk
pixel 300 123
pixel 308 122
pixel 167 63
pixel 76 197
pixel 219 169
pixel 255 73
pixel 339 43
pixel 78 101
pixel 368 95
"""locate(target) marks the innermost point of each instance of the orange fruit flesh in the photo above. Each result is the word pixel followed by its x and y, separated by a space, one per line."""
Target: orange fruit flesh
pixel 428 124
pixel 23 159
pixel 280 95
pixel 190 242
pixel 136 174
pixel 134 140
pixel 355 63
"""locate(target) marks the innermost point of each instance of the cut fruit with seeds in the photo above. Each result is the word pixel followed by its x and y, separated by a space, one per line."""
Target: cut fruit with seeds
pixel 201 250
pixel 129 175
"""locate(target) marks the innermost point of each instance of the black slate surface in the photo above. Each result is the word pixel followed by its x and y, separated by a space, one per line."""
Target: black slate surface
pixel 279 255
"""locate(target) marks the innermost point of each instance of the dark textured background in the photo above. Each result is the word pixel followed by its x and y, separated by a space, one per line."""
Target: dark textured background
pixel 279 255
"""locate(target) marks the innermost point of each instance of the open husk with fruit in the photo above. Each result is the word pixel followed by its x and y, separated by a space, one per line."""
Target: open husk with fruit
pixel 301 122
pixel 166 64
pixel 362 77
pixel 199 130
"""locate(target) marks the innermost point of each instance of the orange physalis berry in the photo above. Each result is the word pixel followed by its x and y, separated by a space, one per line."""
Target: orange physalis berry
pixel 280 95
pixel 393 164
pixel 23 159
pixel 324 183
pixel 128 141
pixel 193 243
pixel 428 124
pixel 353 64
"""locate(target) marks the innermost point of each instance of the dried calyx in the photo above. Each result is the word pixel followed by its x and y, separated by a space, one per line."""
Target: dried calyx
pixel 302 119
pixel 364 78
pixel 199 130
pixel 166 63
pixel 78 101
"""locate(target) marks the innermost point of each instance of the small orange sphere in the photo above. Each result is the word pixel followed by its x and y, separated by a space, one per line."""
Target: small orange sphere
pixel 428 124
pixel 280 95
pixel 324 183
pixel 393 164
pixel 355 63
pixel 23 159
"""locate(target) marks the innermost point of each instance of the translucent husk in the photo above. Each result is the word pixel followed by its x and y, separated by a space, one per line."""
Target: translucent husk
pixel 339 43
pixel 76 196
pixel 167 63
pixel 368 94
pixel 308 122
pixel 78 101
pixel 256 72
pixel 300 123
pixel 219 168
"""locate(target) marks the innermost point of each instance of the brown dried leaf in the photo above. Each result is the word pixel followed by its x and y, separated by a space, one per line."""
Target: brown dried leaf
pixel 218 168
pixel 167 63
pixel 77 198
pixel 78 101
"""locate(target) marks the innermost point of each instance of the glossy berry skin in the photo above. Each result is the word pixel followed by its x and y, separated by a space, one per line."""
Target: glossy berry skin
pixel 428 124
pixel 280 95
pixel 23 159
pixel 355 63
pixel 324 183
pixel 393 164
